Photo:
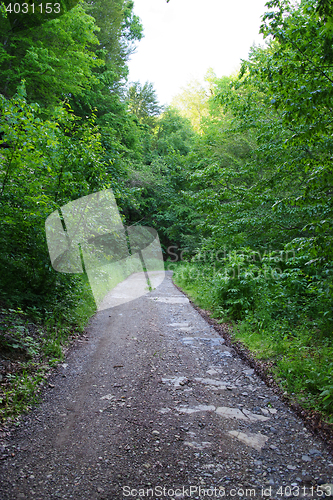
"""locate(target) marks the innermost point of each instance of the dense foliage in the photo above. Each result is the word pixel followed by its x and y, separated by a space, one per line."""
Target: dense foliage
pixel 71 125
pixel 261 178
pixel 236 177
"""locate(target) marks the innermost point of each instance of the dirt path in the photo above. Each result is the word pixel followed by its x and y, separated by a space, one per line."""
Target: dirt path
pixel 154 405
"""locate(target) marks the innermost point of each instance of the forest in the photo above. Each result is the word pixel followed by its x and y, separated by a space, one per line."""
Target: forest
pixel 236 176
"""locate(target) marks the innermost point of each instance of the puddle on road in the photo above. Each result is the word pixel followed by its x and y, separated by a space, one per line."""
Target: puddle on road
pixel 256 441
pixel 179 325
pixel 247 415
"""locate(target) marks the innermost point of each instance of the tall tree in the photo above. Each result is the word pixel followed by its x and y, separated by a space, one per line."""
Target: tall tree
pixel 54 59
pixel 143 103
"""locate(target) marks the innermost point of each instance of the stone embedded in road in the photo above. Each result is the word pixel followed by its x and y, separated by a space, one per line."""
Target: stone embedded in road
pixel 256 441
pixel 225 354
pixel 254 417
pixel 195 409
pixel 226 412
pixel 212 341
pixel 217 384
pixel 187 340
pixel 213 372
pixel 177 382
pixel 314 452
pixel 198 446
pixel 268 411
pixel 164 410
pixel 171 300
pixel 108 397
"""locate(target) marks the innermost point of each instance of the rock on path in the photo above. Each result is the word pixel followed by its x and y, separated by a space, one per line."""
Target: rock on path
pixel 154 405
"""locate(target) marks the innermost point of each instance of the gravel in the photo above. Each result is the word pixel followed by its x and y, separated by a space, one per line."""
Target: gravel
pixel 138 409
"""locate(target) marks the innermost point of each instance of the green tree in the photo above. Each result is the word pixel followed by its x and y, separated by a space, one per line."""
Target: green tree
pixel 297 72
pixel 261 174
pixel 161 177
pixel 143 103
pixel 192 103
pixel 174 133
pixel 54 59
pixel 48 163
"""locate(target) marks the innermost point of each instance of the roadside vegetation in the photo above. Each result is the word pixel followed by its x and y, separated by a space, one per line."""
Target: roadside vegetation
pixel 32 343
pixel 236 177
pixel 261 181
pixel 276 326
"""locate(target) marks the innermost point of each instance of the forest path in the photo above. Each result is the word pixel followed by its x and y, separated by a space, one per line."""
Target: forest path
pixel 154 405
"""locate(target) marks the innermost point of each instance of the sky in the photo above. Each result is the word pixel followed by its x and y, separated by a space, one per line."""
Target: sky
pixel 184 38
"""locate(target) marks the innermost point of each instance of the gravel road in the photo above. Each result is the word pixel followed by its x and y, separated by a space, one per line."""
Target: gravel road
pixel 152 404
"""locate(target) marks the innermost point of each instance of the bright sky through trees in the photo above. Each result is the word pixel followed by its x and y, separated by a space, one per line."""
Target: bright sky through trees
pixel 183 38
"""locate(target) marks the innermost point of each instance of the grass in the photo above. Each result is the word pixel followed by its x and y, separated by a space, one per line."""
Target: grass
pixel 300 354
pixel 32 342
pixel 303 363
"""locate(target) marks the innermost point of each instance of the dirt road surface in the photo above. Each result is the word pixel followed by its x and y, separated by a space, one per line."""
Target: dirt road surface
pixel 154 405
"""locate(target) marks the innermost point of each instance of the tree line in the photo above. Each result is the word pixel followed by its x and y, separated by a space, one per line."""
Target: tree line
pixel 70 125
pixel 261 181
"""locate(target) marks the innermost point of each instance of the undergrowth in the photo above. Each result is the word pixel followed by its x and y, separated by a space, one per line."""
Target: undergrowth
pixel 276 317
pixel 32 341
